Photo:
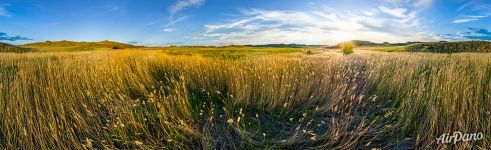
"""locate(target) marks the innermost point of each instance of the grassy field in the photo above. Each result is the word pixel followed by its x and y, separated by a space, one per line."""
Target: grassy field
pixel 427 47
pixel 451 47
pixel 272 98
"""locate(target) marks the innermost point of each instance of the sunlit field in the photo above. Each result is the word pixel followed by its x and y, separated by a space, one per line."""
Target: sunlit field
pixel 245 98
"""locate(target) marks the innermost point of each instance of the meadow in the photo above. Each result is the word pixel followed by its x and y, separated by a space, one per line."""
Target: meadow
pixel 242 98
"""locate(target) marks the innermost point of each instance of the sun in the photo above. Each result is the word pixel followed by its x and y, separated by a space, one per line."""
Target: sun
pixel 342 36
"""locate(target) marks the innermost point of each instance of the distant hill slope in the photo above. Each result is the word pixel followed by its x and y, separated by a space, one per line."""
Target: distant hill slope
pixel 369 43
pixel 86 45
pixel 285 45
pixel 361 43
pixel 365 43
pixel 4 47
pixel 451 47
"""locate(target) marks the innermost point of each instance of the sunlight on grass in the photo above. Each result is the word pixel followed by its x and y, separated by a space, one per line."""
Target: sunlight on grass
pixel 154 100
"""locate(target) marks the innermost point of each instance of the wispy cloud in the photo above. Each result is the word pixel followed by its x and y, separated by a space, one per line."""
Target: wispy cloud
pixel 3 10
pixel 396 12
pixel 168 29
pixel 258 26
pixel 392 21
pixel 477 6
pixel 405 10
pixel 469 34
pixel 479 34
pixel 422 3
pixel 177 7
pixel 481 8
pixel 418 4
pixel 183 4
pixel 172 21
pixel 6 37
pixel 466 19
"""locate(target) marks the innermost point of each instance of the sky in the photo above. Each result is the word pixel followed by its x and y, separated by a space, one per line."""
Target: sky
pixel 243 22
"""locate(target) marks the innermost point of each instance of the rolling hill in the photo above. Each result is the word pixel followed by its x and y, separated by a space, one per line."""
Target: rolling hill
pixel 362 43
pixel 373 44
pixel 286 45
pixel 82 45
pixel 4 47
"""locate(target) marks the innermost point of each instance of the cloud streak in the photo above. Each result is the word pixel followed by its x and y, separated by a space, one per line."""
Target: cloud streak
pixel 177 7
pixel 477 6
pixel 418 4
pixel 396 12
pixel 3 10
pixel 183 4
pixel 6 37
pixel 479 10
pixel 467 19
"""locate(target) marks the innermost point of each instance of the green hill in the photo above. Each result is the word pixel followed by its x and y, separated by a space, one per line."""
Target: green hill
pixel 451 47
pixel 4 47
pixel 81 45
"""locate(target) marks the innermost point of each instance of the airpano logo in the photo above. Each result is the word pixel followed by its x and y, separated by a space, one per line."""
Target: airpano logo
pixel 459 136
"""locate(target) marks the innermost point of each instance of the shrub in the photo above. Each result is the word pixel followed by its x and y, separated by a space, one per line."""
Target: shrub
pixel 451 47
pixel 347 48
pixel 309 52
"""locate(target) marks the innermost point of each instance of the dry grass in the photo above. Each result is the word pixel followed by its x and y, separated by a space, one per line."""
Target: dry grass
pixel 152 100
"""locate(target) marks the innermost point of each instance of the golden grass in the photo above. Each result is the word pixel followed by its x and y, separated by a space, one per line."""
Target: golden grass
pixel 153 100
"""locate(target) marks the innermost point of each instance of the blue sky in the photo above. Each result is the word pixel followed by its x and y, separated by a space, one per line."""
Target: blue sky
pixel 225 22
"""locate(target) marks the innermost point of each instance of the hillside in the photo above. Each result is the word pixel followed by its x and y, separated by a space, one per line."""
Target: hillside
pixel 84 45
pixel 365 43
pixel 362 43
pixel 4 47
pixel 451 47
pixel 286 45
pixel 373 44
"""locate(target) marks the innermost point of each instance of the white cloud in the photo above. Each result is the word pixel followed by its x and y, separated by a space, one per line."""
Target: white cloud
pixel 418 4
pixel 369 13
pixel 396 12
pixel 314 27
pixel 3 10
pixel 168 29
pixel 173 20
pixel 422 3
pixel 183 4
pixel 466 19
pixel 479 9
